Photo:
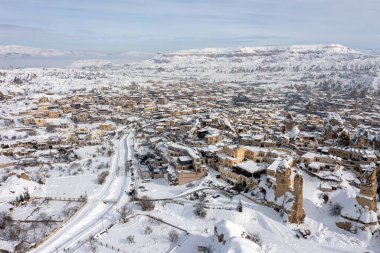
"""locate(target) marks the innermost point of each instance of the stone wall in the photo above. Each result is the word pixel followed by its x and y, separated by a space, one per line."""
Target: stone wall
pixel 185 178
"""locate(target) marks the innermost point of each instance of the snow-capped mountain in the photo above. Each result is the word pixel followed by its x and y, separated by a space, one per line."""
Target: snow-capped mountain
pixel 259 51
pixel 305 64
pixel 259 66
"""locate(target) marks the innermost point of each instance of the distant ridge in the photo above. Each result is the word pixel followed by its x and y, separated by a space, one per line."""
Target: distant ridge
pixel 23 51
pixel 24 56
pixel 301 49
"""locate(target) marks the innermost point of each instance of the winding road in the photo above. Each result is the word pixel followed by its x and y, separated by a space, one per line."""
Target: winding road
pixel 101 208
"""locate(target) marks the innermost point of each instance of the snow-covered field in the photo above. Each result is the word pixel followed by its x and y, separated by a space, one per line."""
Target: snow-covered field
pixel 276 236
pixel 148 235
pixel 99 218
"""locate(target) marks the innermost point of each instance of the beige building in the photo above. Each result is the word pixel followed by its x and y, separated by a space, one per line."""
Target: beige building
pixel 40 122
pixel 317 162
pixel 240 165
pixel 354 154
pixel 105 127
pixel 189 165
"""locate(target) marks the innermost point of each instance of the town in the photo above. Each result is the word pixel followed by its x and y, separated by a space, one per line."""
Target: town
pixel 154 157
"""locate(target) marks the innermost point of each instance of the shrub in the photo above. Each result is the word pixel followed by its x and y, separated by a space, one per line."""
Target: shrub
pixel 110 152
pixel 102 177
pixel 4 178
pixel 75 165
pixel 147 203
pixel 200 210
pixel 5 219
pixel 335 209
pixel 325 198
pixel 154 221
pixel 148 230
pixel 254 237
pixel 173 236
pixel 239 206
pixel 131 239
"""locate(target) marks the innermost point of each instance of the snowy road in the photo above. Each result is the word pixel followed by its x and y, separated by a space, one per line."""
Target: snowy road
pixel 101 208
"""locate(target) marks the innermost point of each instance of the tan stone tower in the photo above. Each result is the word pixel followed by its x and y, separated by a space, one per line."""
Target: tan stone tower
pixel 297 214
pixel 368 187
pixel 289 122
pixel 283 181
pixel 288 193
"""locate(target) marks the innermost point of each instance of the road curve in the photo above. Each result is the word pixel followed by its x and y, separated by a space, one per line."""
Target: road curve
pixel 96 214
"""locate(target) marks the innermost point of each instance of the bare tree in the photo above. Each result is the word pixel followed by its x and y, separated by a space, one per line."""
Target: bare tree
pixel 173 236
pixel 93 246
pixel 254 237
pixel 102 177
pixel 335 209
pixel 110 152
pixel 12 233
pixel 147 203
pixel 5 219
pixel 131 239
pixel 240 206
pixel 148 230
pixel 44 218
pixel 200 210
pixel 124 213
pixel 89 162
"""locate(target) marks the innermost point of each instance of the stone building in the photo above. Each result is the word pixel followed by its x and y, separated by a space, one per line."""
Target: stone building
pixel 289 122
pixel 315 162
pixel 240 165
pixel 189 165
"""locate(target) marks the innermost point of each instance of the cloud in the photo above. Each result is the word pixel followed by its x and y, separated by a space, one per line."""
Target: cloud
pixel 156 25
pixel 15 31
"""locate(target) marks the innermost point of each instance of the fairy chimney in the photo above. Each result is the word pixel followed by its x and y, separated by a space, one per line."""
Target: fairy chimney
pixel 283 181
pixel 368 187
pixel 297 213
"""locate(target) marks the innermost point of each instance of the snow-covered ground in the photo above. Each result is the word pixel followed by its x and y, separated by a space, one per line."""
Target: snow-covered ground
pixel 97 213
pixel 149 236
pixel 276 236
pixel 260 67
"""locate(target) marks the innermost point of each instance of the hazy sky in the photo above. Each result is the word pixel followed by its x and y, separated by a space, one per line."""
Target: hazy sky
pixel 169 25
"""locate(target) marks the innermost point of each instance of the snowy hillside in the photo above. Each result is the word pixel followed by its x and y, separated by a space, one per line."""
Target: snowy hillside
pixel 273 65
pixel 334 64
pixel 246 51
